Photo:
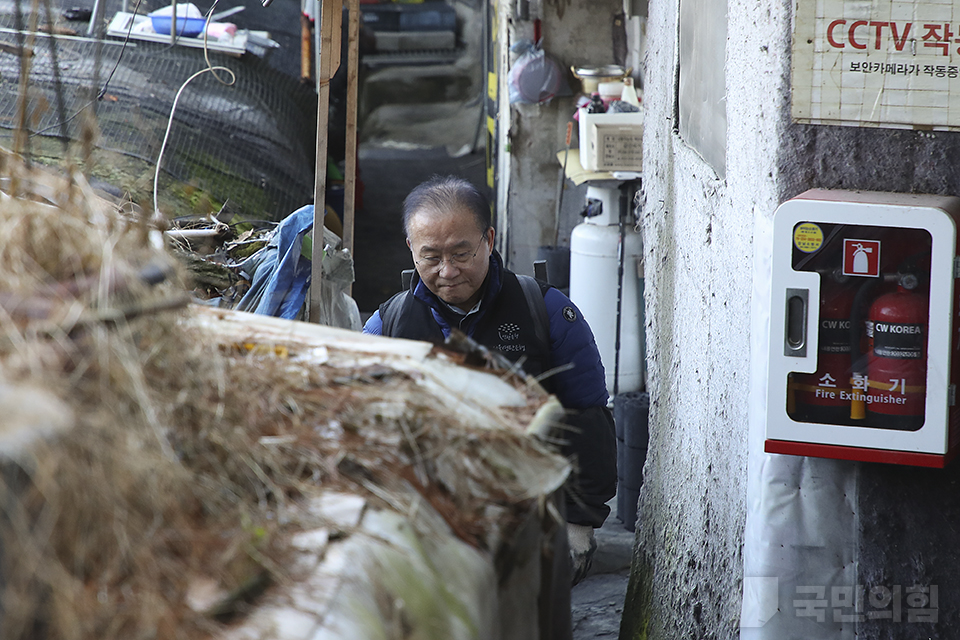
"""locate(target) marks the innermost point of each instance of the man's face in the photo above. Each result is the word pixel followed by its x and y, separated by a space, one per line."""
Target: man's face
pixel 451 254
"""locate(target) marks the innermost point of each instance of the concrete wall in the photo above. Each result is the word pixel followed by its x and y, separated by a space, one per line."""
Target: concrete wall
pixel 575 32
pixel 698 229
pixel 698 234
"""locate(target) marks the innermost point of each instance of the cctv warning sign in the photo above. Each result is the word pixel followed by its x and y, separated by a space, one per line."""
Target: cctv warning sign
pixel 879 63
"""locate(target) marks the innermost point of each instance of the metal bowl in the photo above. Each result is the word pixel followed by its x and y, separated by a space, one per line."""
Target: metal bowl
pixel 605 71
pixel 590 77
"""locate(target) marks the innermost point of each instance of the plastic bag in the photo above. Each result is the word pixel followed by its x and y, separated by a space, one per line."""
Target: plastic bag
pixel 337 309
pixel 281 276
pixel 534 77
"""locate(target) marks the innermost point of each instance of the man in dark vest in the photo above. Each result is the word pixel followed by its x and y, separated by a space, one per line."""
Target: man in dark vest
pixel 460 282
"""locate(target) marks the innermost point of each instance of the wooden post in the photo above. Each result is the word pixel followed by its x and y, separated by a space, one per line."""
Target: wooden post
pixel 350 155
pixel 331 14
pixel 306 48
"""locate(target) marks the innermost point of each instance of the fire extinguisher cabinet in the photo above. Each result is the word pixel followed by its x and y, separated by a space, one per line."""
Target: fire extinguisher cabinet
pixel 863 361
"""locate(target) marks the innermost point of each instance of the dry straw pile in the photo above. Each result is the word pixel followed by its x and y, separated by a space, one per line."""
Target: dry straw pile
pixel 143 452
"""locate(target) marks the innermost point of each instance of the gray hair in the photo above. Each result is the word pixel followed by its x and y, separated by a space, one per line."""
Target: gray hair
pixel 444 193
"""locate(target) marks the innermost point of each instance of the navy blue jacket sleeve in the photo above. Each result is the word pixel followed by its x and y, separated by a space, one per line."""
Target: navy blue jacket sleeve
pixel 590 438
pixel 374 325
pixel 582 383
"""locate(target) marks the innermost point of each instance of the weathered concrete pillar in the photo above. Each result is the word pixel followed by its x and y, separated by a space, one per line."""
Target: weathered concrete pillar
pixel 573 34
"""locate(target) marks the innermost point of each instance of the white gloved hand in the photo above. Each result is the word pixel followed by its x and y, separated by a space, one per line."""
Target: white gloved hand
pixel 583 544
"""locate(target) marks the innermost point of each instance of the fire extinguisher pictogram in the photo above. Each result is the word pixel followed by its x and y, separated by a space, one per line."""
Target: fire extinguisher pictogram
pixel 861 262
pixel 823 396
pixel 897 358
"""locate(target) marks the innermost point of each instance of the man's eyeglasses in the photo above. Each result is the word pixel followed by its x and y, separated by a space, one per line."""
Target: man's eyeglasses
pixel 460 259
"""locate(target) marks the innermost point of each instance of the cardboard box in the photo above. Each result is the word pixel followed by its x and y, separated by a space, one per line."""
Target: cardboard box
pixel 611 141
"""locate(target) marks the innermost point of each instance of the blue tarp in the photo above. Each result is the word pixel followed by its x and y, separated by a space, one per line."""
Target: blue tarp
pixel 281 275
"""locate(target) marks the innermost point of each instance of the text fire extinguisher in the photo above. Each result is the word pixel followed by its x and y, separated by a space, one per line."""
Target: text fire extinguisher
pixel 896 329
pixel 823 396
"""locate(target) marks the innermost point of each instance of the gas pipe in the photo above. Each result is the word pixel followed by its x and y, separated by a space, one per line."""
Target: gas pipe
pixel 896 330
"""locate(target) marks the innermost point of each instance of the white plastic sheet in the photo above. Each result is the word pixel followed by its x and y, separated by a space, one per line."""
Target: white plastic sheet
pixel 799 550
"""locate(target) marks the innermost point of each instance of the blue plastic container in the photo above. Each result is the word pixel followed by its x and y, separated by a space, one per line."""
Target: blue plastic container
pixel 185 26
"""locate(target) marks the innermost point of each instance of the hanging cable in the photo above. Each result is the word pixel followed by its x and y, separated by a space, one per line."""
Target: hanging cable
pixel 206 51
pixel 166 135
pixel 103 91
pixel 209 68
pixel 123 48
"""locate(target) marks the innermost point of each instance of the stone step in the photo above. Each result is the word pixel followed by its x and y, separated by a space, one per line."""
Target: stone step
pixel 389 41
pixel 423 68
pixel 451 124
pixel 419 84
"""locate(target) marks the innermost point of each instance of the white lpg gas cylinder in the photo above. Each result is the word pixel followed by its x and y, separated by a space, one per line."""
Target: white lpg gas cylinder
pixel 594 260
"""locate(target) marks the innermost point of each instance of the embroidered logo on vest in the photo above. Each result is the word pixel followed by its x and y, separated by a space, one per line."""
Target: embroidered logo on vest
pixel 569 314
pixel 509 332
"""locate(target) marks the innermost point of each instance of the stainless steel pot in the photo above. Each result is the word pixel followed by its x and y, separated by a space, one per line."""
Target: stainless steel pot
pixel 590 77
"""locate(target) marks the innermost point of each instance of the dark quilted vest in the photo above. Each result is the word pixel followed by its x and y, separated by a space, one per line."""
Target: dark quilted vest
pixel 507 326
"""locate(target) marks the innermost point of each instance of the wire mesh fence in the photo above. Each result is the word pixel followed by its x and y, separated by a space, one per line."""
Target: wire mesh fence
pixel 249 145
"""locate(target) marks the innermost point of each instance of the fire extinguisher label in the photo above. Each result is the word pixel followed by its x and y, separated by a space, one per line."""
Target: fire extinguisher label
pixel 834 336
pixel 861 257
pixel 898 341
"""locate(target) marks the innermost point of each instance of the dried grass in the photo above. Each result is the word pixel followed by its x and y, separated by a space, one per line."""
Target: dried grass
pixel 102 526
pixel 180 458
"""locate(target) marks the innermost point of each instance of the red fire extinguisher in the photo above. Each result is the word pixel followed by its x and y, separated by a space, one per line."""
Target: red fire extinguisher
pixel 823 396
pixel 896 329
